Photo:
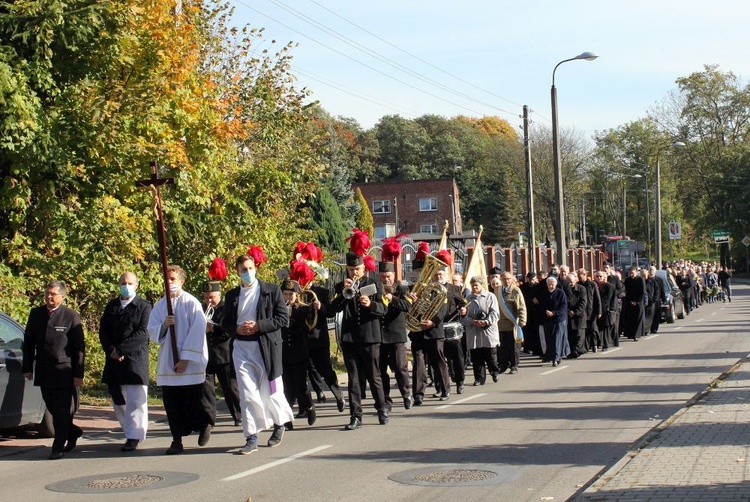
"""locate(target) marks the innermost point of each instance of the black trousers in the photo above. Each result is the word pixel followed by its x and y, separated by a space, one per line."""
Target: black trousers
pixel 434 350
pixel 62 403
pixel 508 354
pixel 484 357
pixel 454 356
pixel 393 356
pixel 228 382
pixel 320 370
pixel 531 341
pixel 187 409
pixel 295 385
pixel 576 340
pixel 593 338
pixel 366 359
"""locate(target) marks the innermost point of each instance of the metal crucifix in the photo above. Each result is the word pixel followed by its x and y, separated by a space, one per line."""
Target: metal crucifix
pixel 154 183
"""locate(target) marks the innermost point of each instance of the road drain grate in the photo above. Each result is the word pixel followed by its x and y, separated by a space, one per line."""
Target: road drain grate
pixel 120 482
pixel 457 475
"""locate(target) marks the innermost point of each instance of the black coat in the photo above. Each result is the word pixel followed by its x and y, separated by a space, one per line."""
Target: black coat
pixel 652 294
pixel 436 332
pixel 56 343
pixel 608 295
pixel 319 338
pixel 359 325
pixel 394 320
pixel 295 335
pixel 125 330
pixel 577 301
pixel 456 302
pixel 593 305
pixel 219 342
pixel 272 316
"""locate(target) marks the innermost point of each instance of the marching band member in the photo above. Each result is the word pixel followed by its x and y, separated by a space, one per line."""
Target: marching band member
pixel 294 354
pixel 360 329
pixel 219 345
pixel 254 314
pixel 393 347
pixel 453 348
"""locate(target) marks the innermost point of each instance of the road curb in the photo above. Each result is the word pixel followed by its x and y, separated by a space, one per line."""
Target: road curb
pixel 590 490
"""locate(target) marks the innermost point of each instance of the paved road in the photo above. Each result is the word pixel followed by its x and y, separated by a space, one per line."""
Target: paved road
pixel 546 432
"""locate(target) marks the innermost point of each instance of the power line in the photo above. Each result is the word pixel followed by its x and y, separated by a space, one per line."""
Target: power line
pixel 362 63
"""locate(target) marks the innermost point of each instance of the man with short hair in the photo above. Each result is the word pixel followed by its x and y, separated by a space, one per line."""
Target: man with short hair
pixel 54 340
pixel 512 307
pixel 254 313
pixel 182 380
pixel 577 303
pixel 606 323
pixel 593 310
pixel 123 334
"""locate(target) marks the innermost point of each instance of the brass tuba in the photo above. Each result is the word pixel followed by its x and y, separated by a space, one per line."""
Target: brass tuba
pixel 430 295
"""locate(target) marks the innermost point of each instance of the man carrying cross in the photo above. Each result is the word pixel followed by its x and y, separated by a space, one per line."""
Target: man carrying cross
pixel 182 380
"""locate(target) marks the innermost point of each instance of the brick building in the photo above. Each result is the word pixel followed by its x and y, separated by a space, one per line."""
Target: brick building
pixel 413 207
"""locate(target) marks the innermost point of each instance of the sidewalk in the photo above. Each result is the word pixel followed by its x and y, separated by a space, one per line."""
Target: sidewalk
pixel 702 453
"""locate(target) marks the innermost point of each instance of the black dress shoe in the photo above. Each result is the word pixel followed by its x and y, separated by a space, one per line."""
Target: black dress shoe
pixel 312 416
pixel 204 435
pixel 73 441
pixel 503 369
pixel 301 414
pixel 460 388
pixel 340 404
pixel 445 397
pixel 289 426
pixel 495 377
pixel 130 445
pixel 555 363
pixel 417 401
pixel 478 382
pixel 408 402
pixel 174 448
pixel 55 455
pixel 354 423
pixel 237 422
pixel 321 398
pixel 383 417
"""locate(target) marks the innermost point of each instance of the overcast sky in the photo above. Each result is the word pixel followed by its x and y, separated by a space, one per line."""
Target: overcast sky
pixel 477 57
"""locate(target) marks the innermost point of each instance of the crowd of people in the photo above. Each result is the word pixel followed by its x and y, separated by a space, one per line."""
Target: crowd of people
pixel 268 344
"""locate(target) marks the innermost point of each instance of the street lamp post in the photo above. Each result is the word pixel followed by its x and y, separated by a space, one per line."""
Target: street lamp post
pixel 560 213
pixel 657 223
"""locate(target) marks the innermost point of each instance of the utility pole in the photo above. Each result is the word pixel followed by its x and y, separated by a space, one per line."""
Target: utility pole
pixel 529 188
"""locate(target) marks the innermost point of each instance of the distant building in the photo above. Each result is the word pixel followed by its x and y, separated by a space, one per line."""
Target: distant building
pixel 418 208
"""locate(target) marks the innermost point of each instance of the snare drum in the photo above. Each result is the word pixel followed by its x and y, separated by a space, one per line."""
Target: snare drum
pixel 453 331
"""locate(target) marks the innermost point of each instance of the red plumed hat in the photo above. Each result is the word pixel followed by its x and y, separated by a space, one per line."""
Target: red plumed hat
pixel 301 272
pixel 217 271
pixel 359 242
pixel 445 257
pixel 369 262
pixel 391 248
pixel 423 249
pixel 307 251
pixel 257 254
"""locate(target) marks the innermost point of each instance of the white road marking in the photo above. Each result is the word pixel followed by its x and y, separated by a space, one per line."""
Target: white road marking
pixel 553 370
pixel 609 351
pixel 444 406
pixel 713 313
pixel 649 337
pixel 699 320
pixel 678 327
pixel 277 462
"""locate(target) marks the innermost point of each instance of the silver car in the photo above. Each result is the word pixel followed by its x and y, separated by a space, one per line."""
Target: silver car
pixel 21 402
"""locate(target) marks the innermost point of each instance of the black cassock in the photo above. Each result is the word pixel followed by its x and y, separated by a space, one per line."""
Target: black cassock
pixel 632 307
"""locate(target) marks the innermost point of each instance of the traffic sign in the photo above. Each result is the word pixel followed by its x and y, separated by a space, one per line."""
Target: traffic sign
pixel 746 241
pixel 720 233
pixel 721 239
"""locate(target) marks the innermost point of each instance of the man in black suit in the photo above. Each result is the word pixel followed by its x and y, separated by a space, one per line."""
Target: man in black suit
pixel 607 323
pixel 254 314
pixel 123 334
pixel 393 347
pixel 319 350
pixel 429 343
pixel 360 337
pixel 453 349
pixel 54 340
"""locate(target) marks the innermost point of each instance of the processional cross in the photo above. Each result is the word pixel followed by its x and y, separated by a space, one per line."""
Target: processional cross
pixel 154 183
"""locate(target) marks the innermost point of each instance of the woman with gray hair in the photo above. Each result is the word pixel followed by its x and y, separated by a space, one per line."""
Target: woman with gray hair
pixel 555 305
pixel 482 336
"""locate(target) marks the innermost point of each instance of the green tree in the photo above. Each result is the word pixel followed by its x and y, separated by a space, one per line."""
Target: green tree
pixel 329 229
pixel 364 217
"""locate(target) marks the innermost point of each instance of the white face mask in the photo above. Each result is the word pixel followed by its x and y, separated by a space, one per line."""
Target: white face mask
pixel 248 276
pixel 127 290
pixel 174 288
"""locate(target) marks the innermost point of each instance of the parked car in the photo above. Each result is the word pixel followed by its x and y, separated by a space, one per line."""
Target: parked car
pixel 673 307
pixel 20 401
